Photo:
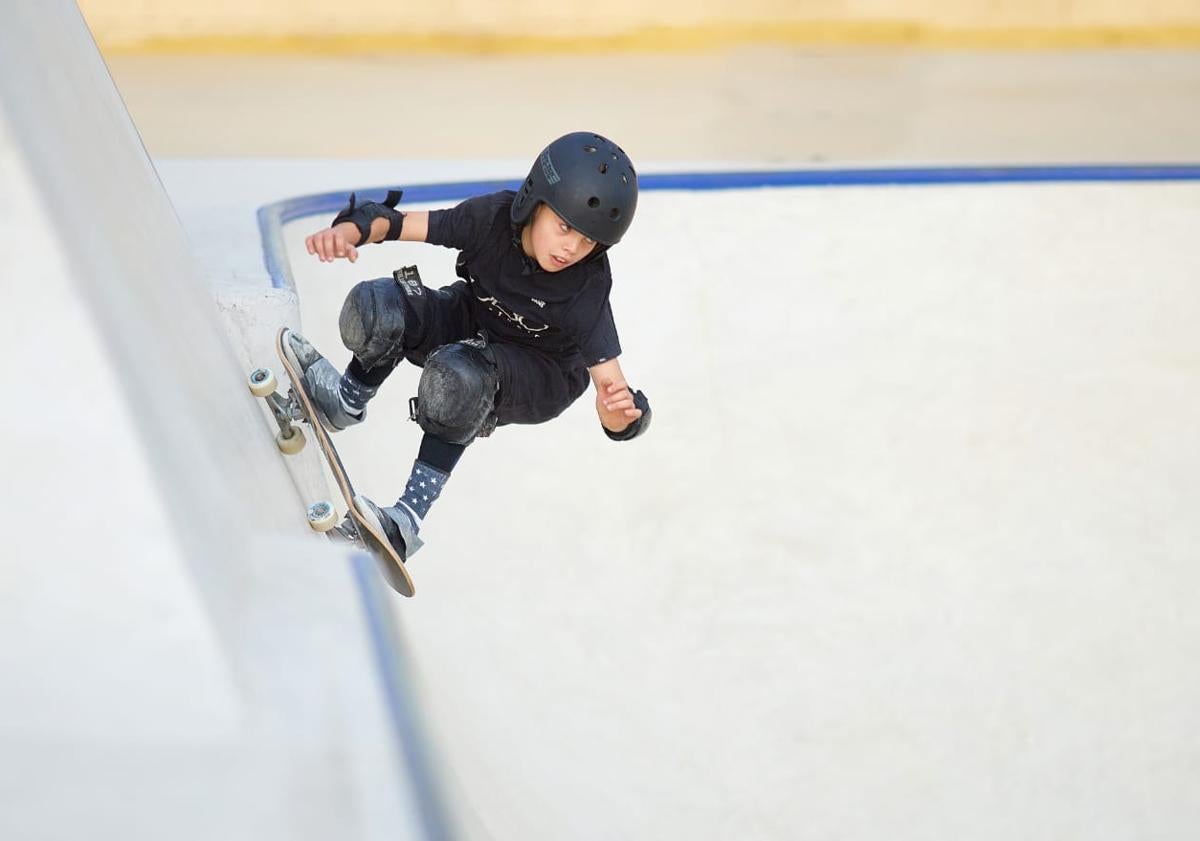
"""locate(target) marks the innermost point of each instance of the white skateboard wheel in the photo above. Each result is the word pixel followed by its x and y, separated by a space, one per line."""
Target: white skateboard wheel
pixel 262 382
pixel 322 516
pixel 291 444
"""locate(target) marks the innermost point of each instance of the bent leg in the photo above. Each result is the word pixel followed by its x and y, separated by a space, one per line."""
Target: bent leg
pixel 534 388
pixel 385 320
pixel 388 319
pixel 466 389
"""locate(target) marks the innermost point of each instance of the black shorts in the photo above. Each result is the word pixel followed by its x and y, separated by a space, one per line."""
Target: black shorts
pixel 534 387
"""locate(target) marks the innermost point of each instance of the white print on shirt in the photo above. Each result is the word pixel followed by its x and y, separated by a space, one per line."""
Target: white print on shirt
pixel 498 309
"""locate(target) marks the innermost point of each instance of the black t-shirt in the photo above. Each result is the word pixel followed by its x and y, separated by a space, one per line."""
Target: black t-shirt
pixel 565 314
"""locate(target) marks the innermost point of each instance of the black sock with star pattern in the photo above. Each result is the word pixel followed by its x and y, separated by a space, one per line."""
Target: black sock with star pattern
pixel 425 484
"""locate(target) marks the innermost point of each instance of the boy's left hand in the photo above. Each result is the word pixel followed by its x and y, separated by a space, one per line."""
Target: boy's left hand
pixel 614 404
pixel 335 242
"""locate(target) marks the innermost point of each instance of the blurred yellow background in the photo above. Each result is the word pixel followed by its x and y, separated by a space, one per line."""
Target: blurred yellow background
pixel 484 25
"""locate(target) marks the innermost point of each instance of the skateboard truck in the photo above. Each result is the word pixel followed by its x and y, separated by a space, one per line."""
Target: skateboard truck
pixel 285 410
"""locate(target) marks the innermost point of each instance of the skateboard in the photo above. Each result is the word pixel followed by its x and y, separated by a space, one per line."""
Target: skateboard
pixel 295 409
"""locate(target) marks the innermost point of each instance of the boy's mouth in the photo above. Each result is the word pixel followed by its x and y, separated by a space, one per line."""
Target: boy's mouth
pixel 559 261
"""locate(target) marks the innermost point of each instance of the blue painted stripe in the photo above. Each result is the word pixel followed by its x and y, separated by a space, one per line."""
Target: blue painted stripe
pixel 273 217
pixel 417 766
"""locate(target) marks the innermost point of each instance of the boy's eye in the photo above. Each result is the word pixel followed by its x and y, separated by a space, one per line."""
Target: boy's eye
pixel 564 227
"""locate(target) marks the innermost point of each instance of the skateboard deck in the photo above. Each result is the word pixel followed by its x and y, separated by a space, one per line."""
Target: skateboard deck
pixel 298 402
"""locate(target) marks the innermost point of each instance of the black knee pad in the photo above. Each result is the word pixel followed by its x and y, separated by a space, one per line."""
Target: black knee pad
pixel 373 320
pixel 456 398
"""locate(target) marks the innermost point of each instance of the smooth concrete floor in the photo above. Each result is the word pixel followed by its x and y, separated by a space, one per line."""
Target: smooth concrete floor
pixel 907 553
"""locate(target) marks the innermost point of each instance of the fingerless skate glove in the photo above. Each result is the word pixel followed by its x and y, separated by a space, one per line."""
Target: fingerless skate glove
pixel 361 216
pixel 636 428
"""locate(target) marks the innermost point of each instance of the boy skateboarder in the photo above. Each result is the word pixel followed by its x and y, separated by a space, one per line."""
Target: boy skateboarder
pixel 515 340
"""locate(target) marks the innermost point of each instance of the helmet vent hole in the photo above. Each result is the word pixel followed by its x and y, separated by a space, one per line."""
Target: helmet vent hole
pixel 614 214
pixel 529 182
pixel 589 149
pixel 624 178
pixel 603 169
pixel 593 202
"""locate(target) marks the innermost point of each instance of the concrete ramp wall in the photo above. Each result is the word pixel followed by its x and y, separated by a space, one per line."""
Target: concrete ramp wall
pixel 180 657
pixel 128 259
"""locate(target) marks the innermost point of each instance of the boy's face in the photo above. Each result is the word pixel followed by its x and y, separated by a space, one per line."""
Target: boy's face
pixel 552 242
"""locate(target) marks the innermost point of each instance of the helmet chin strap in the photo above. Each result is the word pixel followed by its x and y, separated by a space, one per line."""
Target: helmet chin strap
pixel 596 252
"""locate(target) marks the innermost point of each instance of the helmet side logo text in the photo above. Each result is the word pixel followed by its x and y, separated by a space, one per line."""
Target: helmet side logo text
pixel 548 169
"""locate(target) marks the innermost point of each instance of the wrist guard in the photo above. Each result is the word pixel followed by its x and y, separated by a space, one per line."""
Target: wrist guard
pixel 638 426
pixel 361 216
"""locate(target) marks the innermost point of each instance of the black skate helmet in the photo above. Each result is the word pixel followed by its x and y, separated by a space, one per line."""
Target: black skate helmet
pixel 588 180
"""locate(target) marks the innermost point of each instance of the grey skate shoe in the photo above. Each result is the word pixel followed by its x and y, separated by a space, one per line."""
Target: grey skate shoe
pixel 328 388
pixel 397 524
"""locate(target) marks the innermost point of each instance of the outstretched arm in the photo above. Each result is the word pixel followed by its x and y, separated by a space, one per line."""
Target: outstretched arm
pixel 342 239
pixel 623 413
